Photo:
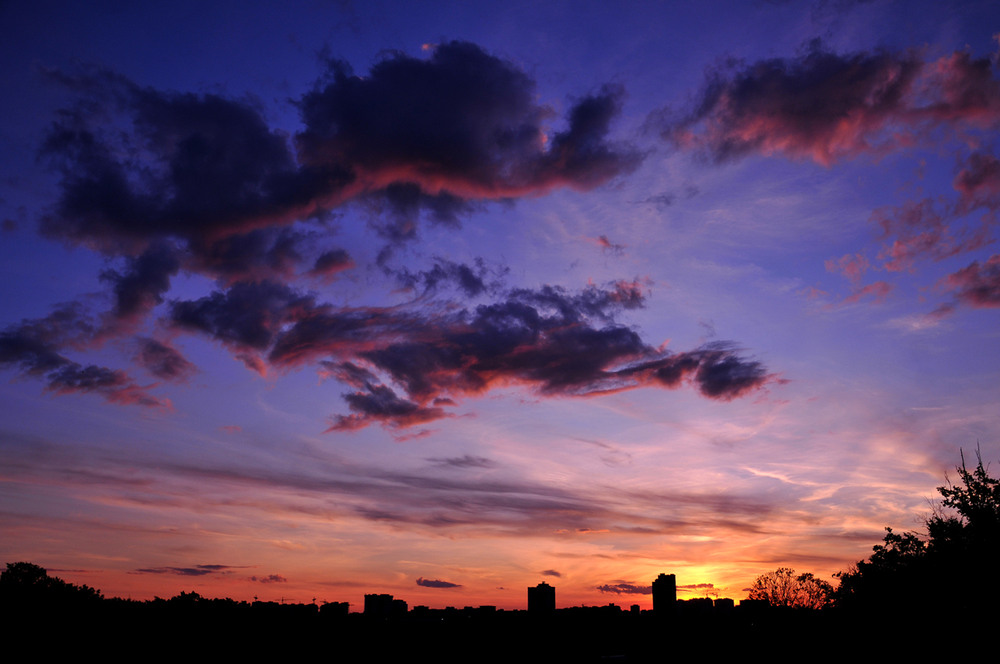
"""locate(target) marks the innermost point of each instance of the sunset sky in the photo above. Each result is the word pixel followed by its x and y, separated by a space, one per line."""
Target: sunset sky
pixel 313 299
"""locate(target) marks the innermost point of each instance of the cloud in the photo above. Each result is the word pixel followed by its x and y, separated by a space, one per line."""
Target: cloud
pixel 460 125
pixel 472 280
pixel 330 263
pixel 878 290
pixel 270 578
pixel 976 285
pixel 852 266
pixel 259 255
pixel 609 247
pixel 189 166
pixel 466 461
pixel 934 228
pixel 625 588
pixel 978 182
pixel 163 360
pixel 34 349
pixel 552 340
pixel 707 588
pixel 406 363
pixel 380 404
pixel 416 134
pixel 551 572
pixel 246 317
pixel 921 229
pixel 434 583
pixel 828 107
pixel 141 286
pixel 197 570
pixel 169 182
pixel 431 499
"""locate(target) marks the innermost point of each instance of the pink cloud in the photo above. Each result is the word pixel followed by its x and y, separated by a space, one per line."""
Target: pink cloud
pixel 878 290
pixel 828 107
pixel 977 285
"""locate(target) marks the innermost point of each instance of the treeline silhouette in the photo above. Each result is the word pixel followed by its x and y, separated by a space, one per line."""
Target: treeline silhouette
pixel 916 591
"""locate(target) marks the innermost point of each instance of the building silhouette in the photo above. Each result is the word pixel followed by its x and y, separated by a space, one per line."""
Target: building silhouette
pixel 542 599
pixel 383 606
pixel 665 593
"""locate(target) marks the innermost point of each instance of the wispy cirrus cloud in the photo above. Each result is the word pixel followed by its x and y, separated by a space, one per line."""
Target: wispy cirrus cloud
pixel 196 570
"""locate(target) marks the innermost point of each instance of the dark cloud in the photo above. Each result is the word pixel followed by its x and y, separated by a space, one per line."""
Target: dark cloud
pixel 467 461
pixel 263 254
pixel 35 349
pixel 827 107
pixel 723 375
pixel 167 182
pixel 473 280
pixel 977 285
pixel 188 166
pixel 716 368
pixel 378 403
pixel 270 578
pixel 200 182
pixel 551 572
pixel 415 137
pixel 557 342
pixel 978 182
pixel 592 301
pixel 434 583
pixel 349 373
pixel 461 125
pixel 247 315
pixel 330 263
pixel 697 586
pixel 197 570
pixel 625 588
pixel 163 360
pixel 141 286
pixel 33 346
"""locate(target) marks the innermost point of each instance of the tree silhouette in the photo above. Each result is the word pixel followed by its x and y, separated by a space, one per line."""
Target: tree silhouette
pixel 977 500
pixel 783 588
pixel 27 584
pixel 954 567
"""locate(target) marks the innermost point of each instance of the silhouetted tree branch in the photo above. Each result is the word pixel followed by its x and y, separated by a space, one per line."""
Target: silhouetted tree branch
pixel 783 588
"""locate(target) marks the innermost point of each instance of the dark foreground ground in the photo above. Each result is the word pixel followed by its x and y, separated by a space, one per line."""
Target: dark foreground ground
pixel 146 632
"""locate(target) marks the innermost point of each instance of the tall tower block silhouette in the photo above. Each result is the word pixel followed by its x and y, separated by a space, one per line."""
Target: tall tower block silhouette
pixel 664 593
pixel 542 599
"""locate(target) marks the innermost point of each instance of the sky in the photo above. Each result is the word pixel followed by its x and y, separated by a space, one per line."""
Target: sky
pixel 308 300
